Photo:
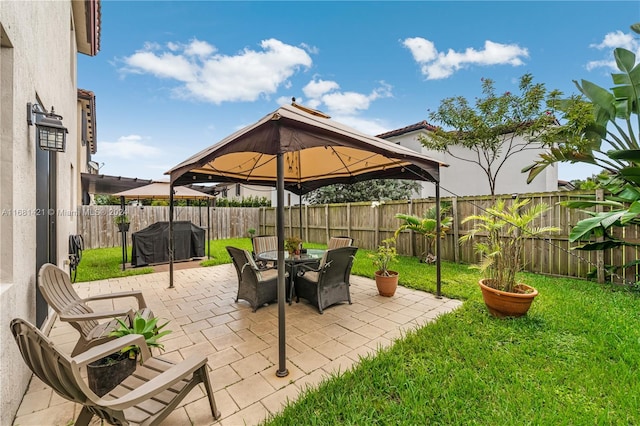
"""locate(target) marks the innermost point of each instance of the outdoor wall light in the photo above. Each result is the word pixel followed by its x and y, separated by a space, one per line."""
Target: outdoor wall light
pixel 51 135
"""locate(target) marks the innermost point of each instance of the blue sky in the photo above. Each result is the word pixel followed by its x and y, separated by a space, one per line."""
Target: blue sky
pixel 172 78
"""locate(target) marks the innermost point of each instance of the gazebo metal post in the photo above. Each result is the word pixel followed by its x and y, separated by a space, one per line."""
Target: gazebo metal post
pixel 438 271
pixel 282 359
pixel 209 227
pixel 300 215
pixel 171 235
pixel 123 235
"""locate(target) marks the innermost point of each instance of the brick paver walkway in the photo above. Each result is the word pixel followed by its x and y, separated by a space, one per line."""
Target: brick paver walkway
pixel 242 346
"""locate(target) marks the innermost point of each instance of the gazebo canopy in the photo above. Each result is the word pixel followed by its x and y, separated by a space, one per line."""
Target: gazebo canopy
pixel 160 190
pixel 317 152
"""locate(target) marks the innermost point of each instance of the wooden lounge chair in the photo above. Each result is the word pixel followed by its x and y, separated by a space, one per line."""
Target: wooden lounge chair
pixel 146 397
pixel 329 283
pixel 255 285
pixel 337 242
pixel 56 288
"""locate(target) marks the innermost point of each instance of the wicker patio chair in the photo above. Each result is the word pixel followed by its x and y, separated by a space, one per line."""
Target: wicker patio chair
pixel 337 242
pixel 255 285
pixel 55 286
pixel 146 397
pixel 329 283
pixel 261 244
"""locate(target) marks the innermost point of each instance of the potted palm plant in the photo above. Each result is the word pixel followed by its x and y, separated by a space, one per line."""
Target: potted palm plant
pixel 504 230
pixel 386 279
pixel 106 373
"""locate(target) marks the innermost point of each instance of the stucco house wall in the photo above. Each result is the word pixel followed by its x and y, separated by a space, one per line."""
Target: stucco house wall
pixel 463 178
pixel 37 63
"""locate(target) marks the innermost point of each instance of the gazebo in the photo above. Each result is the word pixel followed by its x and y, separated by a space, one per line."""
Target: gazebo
pixel 300 149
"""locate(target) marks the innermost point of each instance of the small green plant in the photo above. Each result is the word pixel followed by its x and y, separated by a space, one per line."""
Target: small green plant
pixel 292 244
pixel 384 256
pixel 147 328
pixel 426 226
pixel 251 232
pixel 505 230
pixel 121 219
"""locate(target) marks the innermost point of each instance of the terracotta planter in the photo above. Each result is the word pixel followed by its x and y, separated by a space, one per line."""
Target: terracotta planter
pixel 502 304
pixel 104 377
pixel 387 285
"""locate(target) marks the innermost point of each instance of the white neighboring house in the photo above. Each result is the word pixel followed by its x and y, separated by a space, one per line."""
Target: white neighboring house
pixel 464 178
pixel 40 189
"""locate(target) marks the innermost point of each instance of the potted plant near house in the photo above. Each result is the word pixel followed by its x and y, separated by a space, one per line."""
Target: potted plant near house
pixel 123 222
pixel 504 230
pixel 386 279
pixel 292 245
pixel 106 373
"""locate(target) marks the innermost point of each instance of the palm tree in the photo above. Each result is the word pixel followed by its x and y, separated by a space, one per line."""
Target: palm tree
pixel 426 226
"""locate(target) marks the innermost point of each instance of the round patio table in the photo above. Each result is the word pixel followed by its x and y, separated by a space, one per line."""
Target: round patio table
pixel 292 262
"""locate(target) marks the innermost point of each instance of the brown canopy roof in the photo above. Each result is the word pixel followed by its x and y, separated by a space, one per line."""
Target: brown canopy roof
pixel 317 152
pixel 160 190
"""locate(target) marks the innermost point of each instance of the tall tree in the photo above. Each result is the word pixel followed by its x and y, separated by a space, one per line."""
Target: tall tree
pixel 382 189
pixel 496 128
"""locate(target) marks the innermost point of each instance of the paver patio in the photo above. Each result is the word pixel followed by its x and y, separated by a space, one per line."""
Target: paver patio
pixel 242 346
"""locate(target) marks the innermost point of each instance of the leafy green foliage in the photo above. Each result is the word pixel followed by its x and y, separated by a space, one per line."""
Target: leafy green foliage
pixel 496 128
pixel 249 201
pixel 147 328
pixel 504 230
pixel 426 226
pixel 384 256
pixel 602 128
pixel 381 189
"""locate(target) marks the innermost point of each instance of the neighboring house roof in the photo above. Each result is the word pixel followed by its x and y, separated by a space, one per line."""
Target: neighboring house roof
pixel 88 100
pixel 87 18
pixel 564 185
pixel 423 125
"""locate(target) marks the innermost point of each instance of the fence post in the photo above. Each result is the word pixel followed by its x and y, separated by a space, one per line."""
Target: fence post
pixel 326 228
pixel 456 229
pixel 412 246
pixel 349 219
pixel 600 253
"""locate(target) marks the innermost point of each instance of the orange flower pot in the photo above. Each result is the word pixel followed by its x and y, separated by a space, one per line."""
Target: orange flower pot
pixel 503 304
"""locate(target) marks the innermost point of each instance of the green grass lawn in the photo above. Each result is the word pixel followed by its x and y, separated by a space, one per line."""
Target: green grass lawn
pixel 573 360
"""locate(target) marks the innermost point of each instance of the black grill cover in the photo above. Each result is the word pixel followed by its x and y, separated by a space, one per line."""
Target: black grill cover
pixel 151 245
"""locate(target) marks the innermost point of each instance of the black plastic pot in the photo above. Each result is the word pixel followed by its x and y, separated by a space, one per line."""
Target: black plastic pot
pixel 107 373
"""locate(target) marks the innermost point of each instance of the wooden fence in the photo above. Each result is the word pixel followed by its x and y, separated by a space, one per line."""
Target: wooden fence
pixel 369 226
pixel 96 225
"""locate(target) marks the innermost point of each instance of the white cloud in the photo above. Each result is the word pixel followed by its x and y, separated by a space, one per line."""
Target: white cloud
pixel 610 42
pixel 210 76
pixel 438 65
pixel 127 148
pixel 617 39
pixel 324 92
pixel 317 88
pixel 421 49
